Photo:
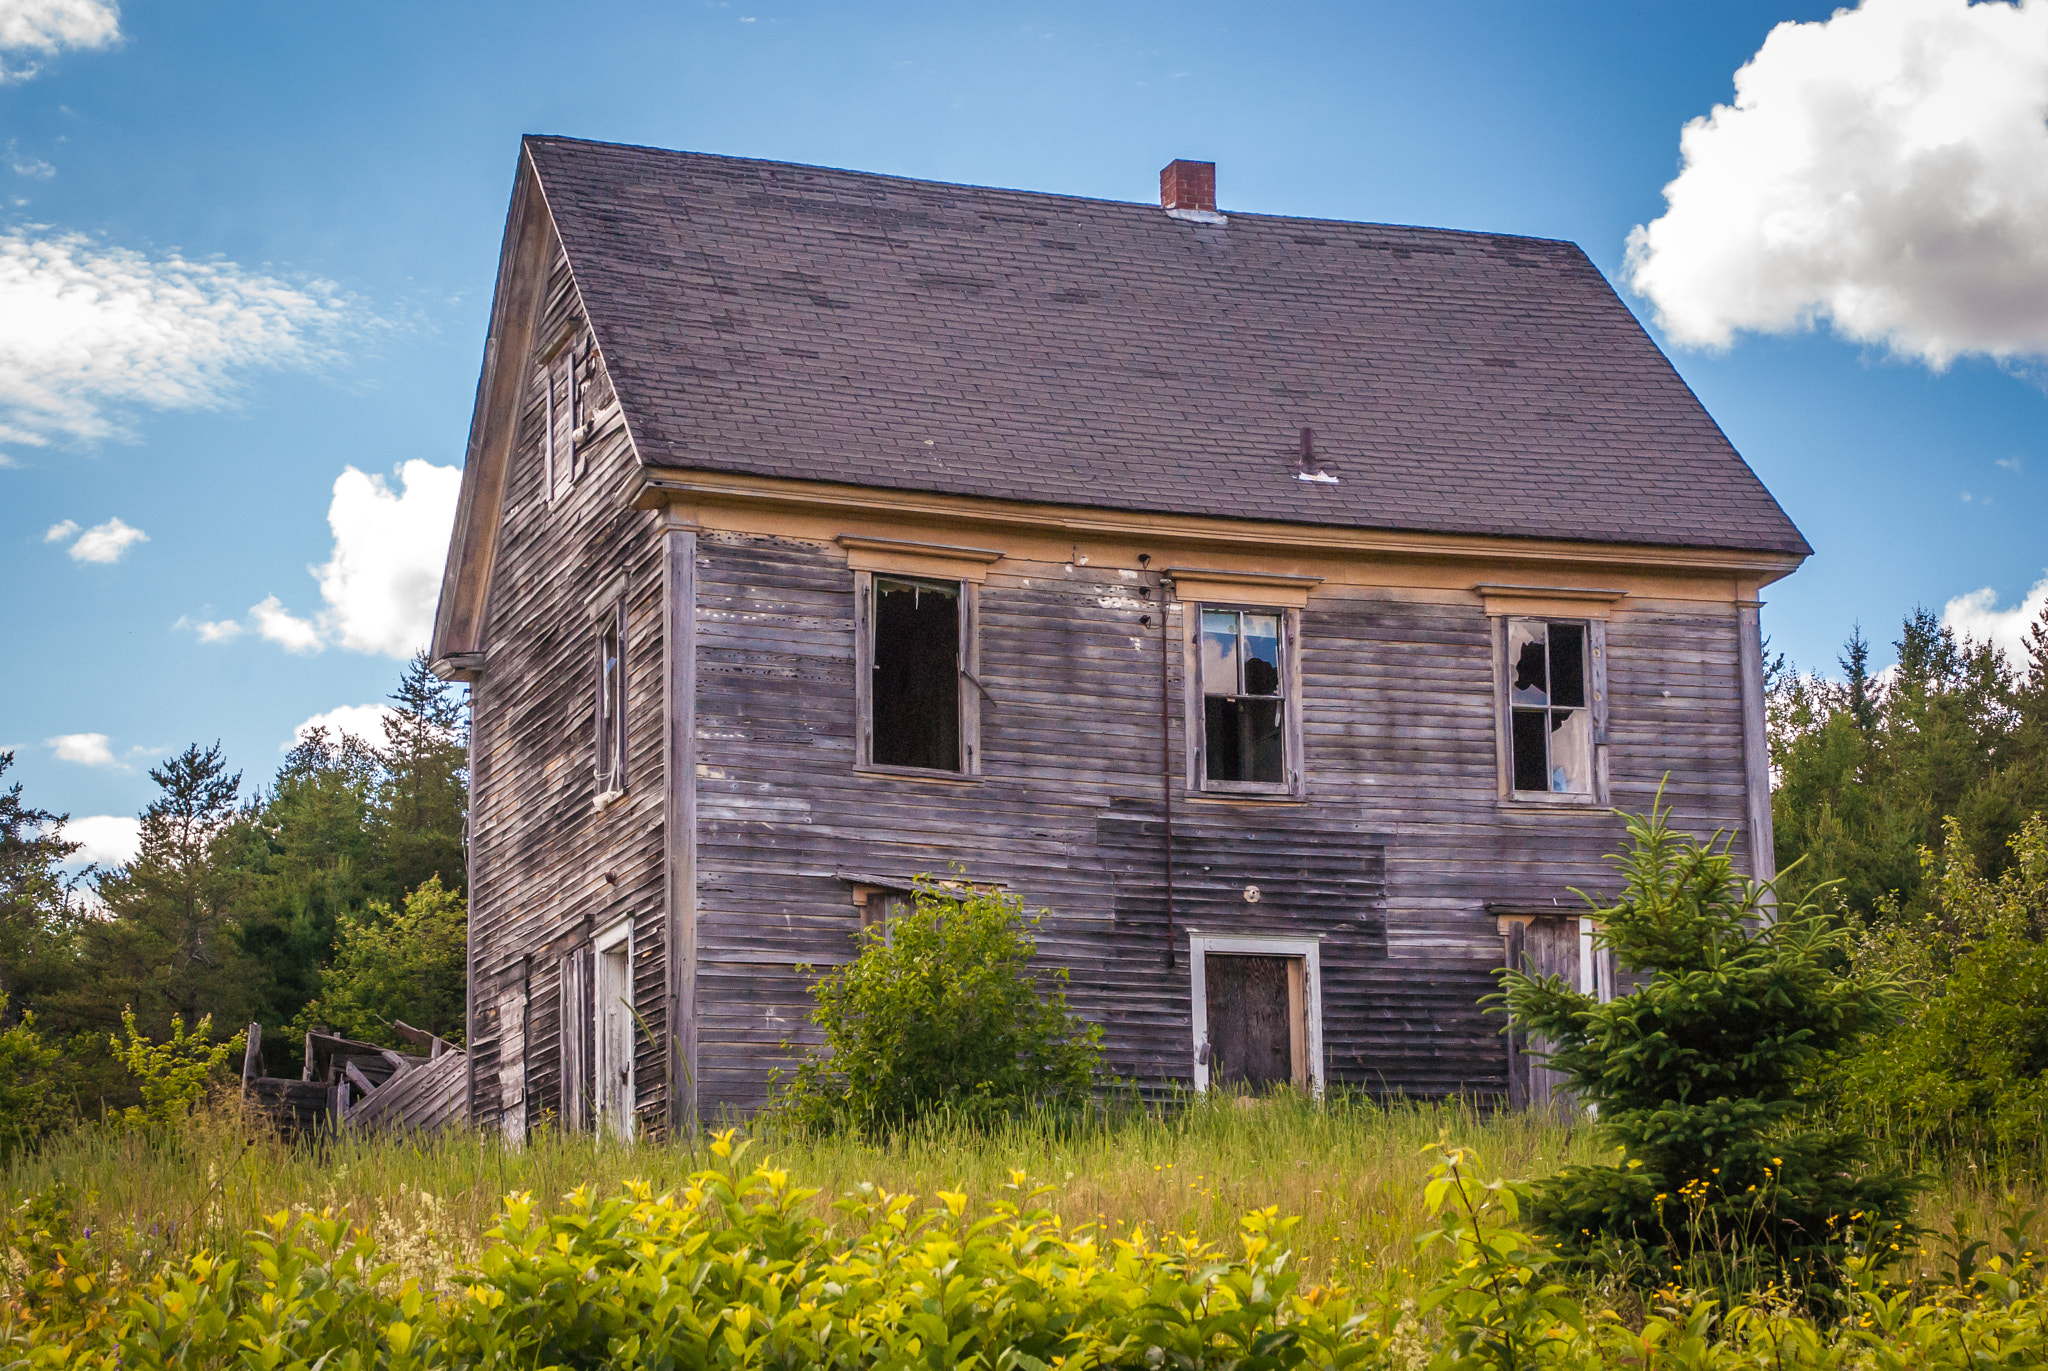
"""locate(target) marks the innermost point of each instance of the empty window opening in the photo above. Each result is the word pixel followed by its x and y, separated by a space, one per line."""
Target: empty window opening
pixel 611 703
pixel 1243 703
pixel 612 1033
pixel 915 700
pixel 1551 723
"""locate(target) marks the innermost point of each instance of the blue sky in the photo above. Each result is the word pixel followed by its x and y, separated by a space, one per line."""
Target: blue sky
pixel 268 234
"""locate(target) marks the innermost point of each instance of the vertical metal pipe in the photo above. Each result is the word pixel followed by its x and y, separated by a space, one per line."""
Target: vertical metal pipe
pixel 1166 759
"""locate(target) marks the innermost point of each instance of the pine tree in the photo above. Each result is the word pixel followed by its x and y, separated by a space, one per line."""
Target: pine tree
pixel 39 907
pixel 171 945
pixel 1702 1077
pixel 423 799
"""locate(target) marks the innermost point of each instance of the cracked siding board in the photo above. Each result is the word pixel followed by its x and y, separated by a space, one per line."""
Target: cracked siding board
pixel 538 845
pixel 1400 748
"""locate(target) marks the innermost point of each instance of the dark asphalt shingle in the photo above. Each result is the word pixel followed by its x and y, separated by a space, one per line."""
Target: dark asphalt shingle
pixel 812 324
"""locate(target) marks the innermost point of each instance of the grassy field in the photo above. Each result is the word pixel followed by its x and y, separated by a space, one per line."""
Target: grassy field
pixel 1352 1170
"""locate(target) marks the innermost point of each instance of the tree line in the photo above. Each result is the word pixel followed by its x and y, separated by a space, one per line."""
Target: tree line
pixel 333 896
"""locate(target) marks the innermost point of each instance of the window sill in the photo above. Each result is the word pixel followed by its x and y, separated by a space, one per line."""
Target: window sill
pixel 606 799
pixel 1256 797
pixel 916 773
pixel 1544 799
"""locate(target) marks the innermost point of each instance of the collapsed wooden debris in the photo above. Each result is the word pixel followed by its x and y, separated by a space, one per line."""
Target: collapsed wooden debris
pixel 345 1084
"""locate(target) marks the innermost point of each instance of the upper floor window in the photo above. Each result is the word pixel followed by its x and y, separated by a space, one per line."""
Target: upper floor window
pixel 915 640
pixel 611 702
pixel 1248 729
pixel 1551 728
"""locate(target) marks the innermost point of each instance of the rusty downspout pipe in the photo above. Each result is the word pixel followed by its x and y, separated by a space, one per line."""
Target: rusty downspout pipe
pixel 1166 760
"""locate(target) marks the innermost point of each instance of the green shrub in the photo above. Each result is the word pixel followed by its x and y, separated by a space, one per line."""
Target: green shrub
pixel 407 964
pixel 1964 1068
pixel 732 1273
pixel 1703 1077
pixel 31 1105
pixel 941 1012
pixel 172 1074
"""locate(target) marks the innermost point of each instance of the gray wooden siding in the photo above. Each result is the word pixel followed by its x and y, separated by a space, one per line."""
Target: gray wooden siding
pixel 1391 860
pixel 547 869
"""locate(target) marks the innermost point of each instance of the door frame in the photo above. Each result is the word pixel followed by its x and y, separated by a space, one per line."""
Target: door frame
pixel 1308 951
pixel 610 1113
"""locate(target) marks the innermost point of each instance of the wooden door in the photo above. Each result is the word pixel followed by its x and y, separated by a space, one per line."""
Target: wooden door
pixel 1547 945
pixel 614 1025
pixel 1252 1017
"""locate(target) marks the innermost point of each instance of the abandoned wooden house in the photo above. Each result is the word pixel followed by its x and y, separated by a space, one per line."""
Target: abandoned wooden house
pixel 1280 603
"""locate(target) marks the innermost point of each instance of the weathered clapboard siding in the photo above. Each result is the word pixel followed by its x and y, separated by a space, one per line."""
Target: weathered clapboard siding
pixel 1400 846
pixel 548 869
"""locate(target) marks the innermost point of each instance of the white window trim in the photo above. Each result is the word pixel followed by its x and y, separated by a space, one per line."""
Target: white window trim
pixel 619 933
pixel 1294 785
pixel 1309 950
pixel 1503 707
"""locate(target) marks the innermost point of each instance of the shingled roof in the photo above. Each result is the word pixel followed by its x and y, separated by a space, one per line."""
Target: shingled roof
pixel 798 322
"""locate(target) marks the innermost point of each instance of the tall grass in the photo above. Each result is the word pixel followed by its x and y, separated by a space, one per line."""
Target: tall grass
pixel 1351 1168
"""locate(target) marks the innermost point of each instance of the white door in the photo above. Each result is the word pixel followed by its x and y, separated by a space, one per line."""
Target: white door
pixel 613 1033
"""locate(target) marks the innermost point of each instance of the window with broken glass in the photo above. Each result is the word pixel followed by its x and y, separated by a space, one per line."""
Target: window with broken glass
pixel 915 635
pixel 1244 687
pixel 611 702
pixel 1550 707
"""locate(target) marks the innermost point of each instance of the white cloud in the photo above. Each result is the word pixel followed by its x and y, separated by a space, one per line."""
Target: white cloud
pixel 88 332
pixel 215 631
pixel 58 532
pixel 2011 464
pixel 282 627
pixel 382 581
pixel 1884 171
pixel 86 749
pixel 47 26
pixel 1978 616
pixel 362 721
pixel 384 575
pixel 109 839
pixel 104 543
pixel 25 164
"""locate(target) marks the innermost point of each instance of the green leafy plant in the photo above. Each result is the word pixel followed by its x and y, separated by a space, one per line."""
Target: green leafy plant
pixel 31 1105
pixel 1964 1068
pixel 1506 1311
pixel 942 1011
pixel 1729 1174
pixel 172 1075
pixel 390 964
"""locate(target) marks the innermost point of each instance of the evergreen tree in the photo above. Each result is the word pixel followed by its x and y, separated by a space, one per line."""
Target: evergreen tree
pixel 1702 1076
pixel 409 963
pixel 40 910
pixel 422 799
pixel 170 945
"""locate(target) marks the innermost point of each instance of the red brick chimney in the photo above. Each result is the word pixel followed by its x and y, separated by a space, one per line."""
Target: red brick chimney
pixel 1188 185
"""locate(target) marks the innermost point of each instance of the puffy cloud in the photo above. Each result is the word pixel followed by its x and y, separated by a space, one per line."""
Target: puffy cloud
pixel 86 749
pixel 215 631
pixel 88 332
pixel 362 721
pixel 58 532
pixel 47 26
pixel 1978 616
pixel 284 628
pixel 104 543
pixel 382 579
pixel 1884 171
pixel 109 839
pixel 385 575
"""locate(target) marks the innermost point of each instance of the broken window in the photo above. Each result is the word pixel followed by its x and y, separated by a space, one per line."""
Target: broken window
pixel 1550 707
pixel 1244 705
pixel 914 695
pixel 611 702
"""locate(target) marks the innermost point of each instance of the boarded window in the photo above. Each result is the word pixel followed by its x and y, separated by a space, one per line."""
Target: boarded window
pixel 1244 705
pixel 611 702
pixel 1256 1021
pixel 914 700
pixel 1550 714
